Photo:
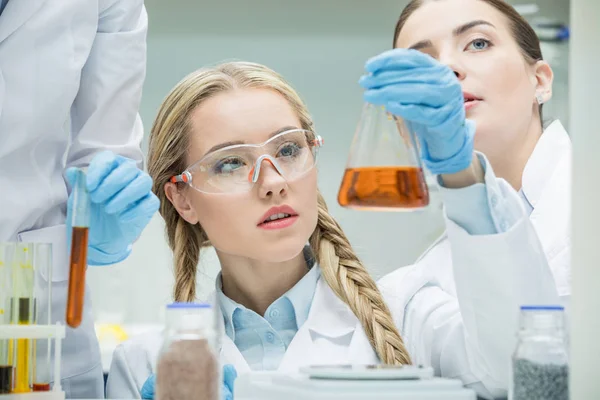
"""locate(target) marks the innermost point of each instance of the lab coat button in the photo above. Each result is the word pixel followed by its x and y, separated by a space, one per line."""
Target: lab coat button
pixel 274 313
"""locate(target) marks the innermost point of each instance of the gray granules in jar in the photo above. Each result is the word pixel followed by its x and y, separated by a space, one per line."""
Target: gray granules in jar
pixel 534 381
pixel 188 370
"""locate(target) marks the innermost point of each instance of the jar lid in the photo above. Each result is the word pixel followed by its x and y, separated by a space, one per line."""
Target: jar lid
pixel 542 308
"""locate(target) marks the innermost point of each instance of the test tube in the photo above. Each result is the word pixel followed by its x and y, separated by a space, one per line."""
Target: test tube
pixel 41 361
pixel 7 251
pixel 23 313
pixel 80 221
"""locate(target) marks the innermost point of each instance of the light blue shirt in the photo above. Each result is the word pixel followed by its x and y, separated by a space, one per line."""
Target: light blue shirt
pixel 477 208
pixel 263 341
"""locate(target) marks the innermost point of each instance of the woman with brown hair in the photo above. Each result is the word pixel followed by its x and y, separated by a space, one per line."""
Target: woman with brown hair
pixel 233 153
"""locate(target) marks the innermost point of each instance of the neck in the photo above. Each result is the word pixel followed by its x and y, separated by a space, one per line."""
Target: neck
pixel 257 284
pixel 510 165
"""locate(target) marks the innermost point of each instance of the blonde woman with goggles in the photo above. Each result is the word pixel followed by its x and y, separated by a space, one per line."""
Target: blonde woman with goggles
pixel 233 155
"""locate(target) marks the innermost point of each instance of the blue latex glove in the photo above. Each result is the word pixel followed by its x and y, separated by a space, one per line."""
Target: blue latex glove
pixel 428 96
pixel 122 206
pixel 229 375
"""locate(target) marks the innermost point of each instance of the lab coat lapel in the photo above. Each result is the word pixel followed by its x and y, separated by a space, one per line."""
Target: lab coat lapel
pixel 546 184
pixel 326 335
pixel 16 13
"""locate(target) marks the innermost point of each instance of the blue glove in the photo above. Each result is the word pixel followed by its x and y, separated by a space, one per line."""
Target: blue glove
pixel 122 204
pixel 428 96
pixel 147 391
pixel 229 375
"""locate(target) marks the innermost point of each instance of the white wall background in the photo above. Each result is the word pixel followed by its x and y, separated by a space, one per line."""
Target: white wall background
pixel 320 46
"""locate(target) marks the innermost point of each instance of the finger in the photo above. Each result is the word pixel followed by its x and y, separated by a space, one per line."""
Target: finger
pixel 101 166
pixel 118 179
pixel 415 75
pixel 414 93
pixel 399 59
pixel 134 191
pixel 141 211
pixel 436 117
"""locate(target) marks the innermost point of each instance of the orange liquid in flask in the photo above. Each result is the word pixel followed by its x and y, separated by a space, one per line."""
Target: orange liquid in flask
pixel 384 188
pixel 77 276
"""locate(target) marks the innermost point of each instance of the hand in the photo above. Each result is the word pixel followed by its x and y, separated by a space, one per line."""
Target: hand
pixel 229 376
pixel 428 96
pixel 147 391
pixel 122 204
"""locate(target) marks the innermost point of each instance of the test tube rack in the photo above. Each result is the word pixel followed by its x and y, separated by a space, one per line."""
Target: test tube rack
pixel 54 332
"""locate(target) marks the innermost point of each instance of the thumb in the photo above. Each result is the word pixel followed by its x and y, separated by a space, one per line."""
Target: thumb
pixel 71 176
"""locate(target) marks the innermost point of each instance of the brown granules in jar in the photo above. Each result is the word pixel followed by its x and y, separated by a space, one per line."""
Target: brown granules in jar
pixel 188 370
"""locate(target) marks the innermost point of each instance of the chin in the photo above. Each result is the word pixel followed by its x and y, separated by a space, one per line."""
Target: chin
pixel 282 250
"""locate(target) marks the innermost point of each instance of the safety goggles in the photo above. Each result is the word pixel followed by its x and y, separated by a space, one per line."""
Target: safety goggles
pixel 236 168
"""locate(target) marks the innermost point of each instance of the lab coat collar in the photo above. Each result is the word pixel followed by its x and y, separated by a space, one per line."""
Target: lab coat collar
pixel 329 316
pixel 552 146
pixel 16 14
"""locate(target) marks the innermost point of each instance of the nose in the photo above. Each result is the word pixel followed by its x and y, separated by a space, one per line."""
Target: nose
pixel 270 183
pixel 453 62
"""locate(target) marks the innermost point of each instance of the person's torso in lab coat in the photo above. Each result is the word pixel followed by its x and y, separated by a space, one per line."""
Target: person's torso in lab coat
pixel 546 185
pixel 331 334
pixel 44 45
pixel 43 48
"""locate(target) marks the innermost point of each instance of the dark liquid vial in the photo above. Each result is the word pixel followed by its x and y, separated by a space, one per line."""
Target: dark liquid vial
pixel 6 372
pixel 79 243
pixel 384 188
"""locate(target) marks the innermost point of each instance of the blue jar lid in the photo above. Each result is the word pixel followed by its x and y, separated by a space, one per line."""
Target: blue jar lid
pixel 189 305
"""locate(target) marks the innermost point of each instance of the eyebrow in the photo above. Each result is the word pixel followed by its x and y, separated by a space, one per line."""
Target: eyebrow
pixel 233 143
pixel 455 32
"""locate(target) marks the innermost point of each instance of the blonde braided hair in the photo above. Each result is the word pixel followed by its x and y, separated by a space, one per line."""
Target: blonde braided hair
pixel 341 268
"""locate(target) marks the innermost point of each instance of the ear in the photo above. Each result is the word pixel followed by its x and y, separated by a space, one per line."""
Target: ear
pixel 543 81
pixel 177 197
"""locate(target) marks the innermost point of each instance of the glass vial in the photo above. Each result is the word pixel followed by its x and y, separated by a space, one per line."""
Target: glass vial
pixel 540 364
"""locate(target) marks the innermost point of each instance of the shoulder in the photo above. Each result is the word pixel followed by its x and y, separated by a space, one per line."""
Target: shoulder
pixel 434 265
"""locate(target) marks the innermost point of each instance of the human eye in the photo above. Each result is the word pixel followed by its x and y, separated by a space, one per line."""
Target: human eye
pixel 479 44
pixel 290 149
pixel 228 165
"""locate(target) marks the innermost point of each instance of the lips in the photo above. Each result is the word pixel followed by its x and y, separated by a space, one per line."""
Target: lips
pixel 277 214
pixel 470 100
pixel 470 97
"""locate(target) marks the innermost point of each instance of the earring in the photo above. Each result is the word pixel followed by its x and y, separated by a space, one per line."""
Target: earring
pixel 539 98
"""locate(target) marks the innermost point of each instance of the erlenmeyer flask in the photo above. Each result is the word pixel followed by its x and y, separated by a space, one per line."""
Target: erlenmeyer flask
pixel 384 171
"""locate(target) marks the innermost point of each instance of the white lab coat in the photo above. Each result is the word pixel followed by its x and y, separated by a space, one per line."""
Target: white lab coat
pixel 71 75
pixel 467 334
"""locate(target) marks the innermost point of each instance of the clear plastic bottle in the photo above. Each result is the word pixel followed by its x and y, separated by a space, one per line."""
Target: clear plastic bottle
pixel 540 365
pixel 188 365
